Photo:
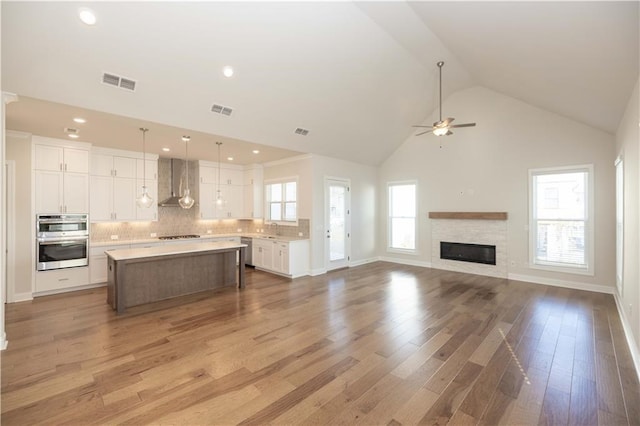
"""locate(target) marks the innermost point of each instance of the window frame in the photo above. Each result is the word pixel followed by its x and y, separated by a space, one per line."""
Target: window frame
pixel 267 202
pixel 589 238
pixel 391 249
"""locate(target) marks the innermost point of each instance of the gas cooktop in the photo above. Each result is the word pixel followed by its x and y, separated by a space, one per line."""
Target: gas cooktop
pixel 178 237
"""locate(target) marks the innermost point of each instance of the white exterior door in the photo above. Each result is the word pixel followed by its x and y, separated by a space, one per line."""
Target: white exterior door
pixel 337 223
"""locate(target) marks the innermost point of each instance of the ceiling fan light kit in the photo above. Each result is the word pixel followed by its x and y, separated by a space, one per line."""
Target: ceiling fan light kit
pixel 442 127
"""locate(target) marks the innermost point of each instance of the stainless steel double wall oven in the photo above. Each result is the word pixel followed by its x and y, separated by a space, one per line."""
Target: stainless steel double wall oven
pixel 62 241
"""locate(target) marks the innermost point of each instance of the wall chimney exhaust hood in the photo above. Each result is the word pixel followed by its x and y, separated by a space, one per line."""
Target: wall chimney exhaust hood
pixel 171 181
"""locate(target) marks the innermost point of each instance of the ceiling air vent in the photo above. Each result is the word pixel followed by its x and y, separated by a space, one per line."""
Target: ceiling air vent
pixel 301 131
pixel 220 109
pixel 117 81
pixel 70 131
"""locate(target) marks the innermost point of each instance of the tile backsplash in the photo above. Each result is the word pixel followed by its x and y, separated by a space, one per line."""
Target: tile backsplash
pixel 177 221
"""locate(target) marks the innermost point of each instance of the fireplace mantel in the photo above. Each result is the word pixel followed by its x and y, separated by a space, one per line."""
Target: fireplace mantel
pixel 469 215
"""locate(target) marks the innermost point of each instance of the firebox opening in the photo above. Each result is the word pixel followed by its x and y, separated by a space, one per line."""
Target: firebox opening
pixel 476 253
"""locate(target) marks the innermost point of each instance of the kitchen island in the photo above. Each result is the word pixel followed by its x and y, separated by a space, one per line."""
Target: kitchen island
pixel 145 275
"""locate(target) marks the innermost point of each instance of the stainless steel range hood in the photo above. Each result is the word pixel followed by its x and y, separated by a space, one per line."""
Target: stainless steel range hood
pixel 172 181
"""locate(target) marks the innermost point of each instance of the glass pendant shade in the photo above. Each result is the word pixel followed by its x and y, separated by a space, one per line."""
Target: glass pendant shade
pixel 187 201
pixel 144 200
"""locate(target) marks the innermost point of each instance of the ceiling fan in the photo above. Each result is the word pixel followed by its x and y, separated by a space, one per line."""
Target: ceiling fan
pixel 443 127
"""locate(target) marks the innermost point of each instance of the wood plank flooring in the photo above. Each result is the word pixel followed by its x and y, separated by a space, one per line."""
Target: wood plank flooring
pixel 377 344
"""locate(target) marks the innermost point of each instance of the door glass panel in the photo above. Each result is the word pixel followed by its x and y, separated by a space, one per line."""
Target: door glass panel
pixel 337 220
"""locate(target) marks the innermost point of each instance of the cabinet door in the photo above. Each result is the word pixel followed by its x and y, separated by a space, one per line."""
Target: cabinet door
pixel 124 199
pixel 207 201
pixel 48 158
pixel 76 160
pixel 151 213
pixel 101 165
pixel 150 167
pixel 48 189
pixel 233 201
pixel 283 263
pixel 208 174
pixel 231 176
pixel 267 255
pixel 124 167
pixel 76 193
pixel 101 198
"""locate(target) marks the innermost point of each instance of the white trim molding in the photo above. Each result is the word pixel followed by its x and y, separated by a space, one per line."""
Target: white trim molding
pixel 626 327
pixel 598 288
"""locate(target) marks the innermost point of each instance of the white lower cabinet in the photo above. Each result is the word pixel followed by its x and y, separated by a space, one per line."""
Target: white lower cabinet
pixel 61 279
pixel 98 263
pixel 289 258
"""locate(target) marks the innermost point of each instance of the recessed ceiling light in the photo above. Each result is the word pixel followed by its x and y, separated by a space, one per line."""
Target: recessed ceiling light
pixel 166 149
pixel 255 151
pixel 227 71
pixel 79 120
pixel 73 136
pixel 87 16
pixel 230 158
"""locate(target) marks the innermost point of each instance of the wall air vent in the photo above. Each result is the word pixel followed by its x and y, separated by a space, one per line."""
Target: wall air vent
pixel 301 131
pixel 117 81
pixel 220 109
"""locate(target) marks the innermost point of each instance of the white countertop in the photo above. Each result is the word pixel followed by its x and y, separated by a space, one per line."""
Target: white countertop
pixel 168 250
pixel 195 240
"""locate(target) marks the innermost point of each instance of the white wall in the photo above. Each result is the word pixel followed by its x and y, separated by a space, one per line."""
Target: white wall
pixel 311 171
pixel 485 168
pixel 363 180
pixel 628 146
pixel 18 148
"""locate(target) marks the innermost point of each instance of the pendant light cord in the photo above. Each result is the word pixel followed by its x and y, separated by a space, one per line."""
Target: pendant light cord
pixel 440 64
pixel 144 158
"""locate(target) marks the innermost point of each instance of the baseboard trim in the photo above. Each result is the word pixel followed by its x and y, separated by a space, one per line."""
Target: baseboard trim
pixel 361 262
pixel 405 261
pixel 562 283
pixel 626 327
pixel 67 290
pixel 22 297
pixel 317 271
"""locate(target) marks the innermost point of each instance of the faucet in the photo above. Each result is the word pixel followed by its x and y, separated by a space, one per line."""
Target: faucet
pixel 277 229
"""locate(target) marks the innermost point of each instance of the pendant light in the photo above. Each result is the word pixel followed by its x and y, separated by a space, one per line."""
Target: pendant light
pixel 144 200
pixel 219 200
pixel 186 202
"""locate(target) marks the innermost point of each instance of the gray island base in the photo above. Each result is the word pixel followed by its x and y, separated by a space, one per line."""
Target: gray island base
pixel 145 275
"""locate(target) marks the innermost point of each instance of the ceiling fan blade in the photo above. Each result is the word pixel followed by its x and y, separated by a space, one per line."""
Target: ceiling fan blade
pixel 463 125
pixel 421 126
pixel 448 133
pixel 447 121
pixel 422 133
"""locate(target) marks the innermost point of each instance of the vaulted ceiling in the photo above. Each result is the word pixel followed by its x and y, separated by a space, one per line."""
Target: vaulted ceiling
pixel 357 75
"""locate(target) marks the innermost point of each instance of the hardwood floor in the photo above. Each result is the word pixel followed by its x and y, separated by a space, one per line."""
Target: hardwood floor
pixel 377 344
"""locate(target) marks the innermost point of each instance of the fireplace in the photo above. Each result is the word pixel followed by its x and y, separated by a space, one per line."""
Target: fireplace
pixel 474 253
pixel 470 242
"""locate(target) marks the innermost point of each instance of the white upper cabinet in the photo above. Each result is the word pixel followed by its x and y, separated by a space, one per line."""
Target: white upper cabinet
pixel 61 176
pixel 116 182
pixel 231 188
pixel 150 167
pixel 253 192
pixel 230 176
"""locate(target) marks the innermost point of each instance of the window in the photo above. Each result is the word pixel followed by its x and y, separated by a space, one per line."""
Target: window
pixel 561 234
pixel 281 200
pixel 402 216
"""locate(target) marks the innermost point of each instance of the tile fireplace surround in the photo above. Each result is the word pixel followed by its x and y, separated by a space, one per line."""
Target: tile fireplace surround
pixel 489 228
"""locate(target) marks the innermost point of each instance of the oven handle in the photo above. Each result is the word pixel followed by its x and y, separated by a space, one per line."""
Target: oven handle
pixel 50 241
pixel 63 219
